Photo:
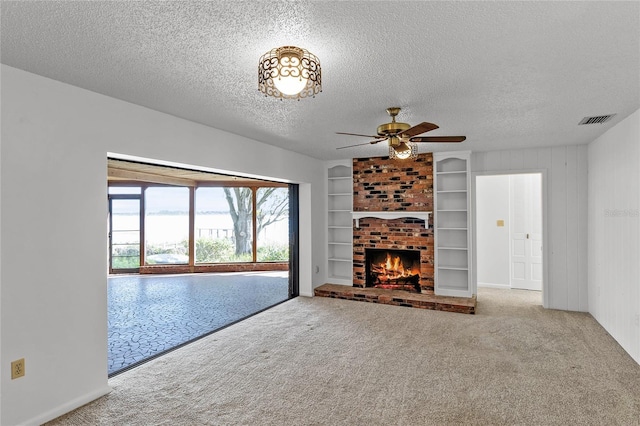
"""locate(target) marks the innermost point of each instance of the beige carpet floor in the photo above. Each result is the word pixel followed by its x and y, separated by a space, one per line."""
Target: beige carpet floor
pixel 325 361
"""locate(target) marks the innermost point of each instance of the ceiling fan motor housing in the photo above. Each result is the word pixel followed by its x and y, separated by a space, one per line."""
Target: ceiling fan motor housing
pixel 393 128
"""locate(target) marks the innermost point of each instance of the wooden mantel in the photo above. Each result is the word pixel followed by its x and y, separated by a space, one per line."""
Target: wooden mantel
pixel 391 215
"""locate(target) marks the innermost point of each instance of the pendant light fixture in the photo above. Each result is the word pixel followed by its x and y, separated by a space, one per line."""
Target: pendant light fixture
pixel 289 72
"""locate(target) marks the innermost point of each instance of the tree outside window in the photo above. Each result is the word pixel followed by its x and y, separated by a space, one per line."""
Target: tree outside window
pixel 272 216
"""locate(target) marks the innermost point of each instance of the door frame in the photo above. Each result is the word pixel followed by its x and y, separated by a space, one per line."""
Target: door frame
pixel 545 230
pixel 294 241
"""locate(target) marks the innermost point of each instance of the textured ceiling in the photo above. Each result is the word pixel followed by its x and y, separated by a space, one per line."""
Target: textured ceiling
pixel 505 74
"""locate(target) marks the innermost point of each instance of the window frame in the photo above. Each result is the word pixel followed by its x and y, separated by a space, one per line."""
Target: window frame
pixel 192 266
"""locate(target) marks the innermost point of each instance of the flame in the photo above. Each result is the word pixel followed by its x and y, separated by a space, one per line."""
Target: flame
pixel 393 268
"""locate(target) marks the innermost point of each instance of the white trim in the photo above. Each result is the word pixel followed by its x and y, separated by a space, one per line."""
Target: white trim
pixel 460 155
pixel 492 285
pixel 545 226
pixel 341 281
pixel 392 215
pixel 451 292
pixel 67 407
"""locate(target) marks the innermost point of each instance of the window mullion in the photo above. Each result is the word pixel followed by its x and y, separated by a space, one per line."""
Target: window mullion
pixel 254 191
pixel 192 224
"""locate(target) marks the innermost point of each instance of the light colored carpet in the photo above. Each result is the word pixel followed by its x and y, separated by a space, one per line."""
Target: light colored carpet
pixel 325 361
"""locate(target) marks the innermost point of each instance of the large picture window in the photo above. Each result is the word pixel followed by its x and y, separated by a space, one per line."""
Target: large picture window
pixel 223 225
pixel 272 217
pixel 166 225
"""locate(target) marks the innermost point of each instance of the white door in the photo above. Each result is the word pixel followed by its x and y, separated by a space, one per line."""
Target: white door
pixel 526 231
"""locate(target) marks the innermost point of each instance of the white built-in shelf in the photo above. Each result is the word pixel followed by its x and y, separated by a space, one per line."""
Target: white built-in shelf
pixel 453 268
pixel 341 277
pixel 452 222
pixel 392 215
pixel 340 225
pixel 458 172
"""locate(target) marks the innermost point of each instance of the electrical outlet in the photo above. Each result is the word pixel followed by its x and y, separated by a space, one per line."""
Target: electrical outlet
pixel 637 320
pixel 17 368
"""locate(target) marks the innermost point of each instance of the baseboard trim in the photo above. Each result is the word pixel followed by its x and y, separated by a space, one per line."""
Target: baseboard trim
pixel 492 285
pixel 305 294
pixel 69 406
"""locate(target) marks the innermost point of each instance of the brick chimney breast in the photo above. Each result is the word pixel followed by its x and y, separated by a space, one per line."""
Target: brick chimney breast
pixel 382 184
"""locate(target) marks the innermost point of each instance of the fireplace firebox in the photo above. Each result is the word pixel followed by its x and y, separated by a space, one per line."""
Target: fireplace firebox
pixel 393 269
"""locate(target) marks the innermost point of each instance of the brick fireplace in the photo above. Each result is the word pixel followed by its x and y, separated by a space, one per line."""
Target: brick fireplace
pixel 384 185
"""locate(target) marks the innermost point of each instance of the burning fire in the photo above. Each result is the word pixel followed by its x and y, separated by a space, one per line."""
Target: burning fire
pixel 392 269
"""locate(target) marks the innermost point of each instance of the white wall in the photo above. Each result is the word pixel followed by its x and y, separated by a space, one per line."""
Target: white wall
pixel 492 249
pixel 53 303
pixel 565 180
pixel 1 346
pixel 614 232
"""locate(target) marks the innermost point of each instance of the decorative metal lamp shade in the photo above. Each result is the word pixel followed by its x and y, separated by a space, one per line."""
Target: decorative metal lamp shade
pixel 289 72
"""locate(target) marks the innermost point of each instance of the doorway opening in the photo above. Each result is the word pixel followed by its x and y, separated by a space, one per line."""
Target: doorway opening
pixel 510 231
pixel 206 250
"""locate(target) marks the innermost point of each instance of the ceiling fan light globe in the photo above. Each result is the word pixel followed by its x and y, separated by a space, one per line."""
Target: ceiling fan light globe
pixel 403 155
pixel 403 151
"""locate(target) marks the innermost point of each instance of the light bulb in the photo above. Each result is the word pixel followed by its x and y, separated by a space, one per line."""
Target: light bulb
pixel 290 85
pixel 403 155
pixel 290 81
pixel 403 151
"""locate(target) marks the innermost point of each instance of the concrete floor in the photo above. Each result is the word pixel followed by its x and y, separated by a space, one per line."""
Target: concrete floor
pixel 149 314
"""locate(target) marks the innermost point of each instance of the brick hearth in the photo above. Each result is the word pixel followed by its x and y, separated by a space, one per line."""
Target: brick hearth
pixel 424 300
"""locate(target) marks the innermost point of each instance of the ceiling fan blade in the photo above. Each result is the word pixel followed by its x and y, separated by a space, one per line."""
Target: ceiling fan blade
pixel 356 134
pixel 444 139
pixel 418 129
pixel 360 144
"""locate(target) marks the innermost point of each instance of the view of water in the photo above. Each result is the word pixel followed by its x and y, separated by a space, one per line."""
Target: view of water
pixel 175 227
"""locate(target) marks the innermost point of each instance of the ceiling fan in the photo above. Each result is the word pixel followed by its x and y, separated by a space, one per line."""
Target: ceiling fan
pixel 402 137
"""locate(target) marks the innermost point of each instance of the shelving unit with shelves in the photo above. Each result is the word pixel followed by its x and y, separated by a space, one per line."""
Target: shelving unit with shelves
pixel 340 223
pixel 452 224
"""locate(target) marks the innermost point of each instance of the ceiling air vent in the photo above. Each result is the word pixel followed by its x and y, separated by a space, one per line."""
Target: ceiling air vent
pixel 596 120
